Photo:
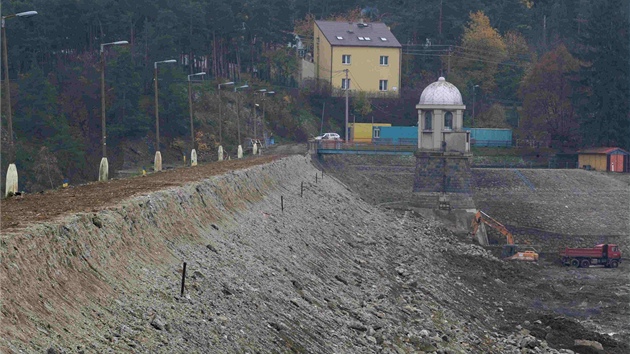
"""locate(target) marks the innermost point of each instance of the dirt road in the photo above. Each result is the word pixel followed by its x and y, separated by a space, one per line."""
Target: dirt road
pixel 20 211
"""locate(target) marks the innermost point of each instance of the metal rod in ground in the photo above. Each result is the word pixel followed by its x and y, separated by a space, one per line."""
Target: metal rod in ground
pixel 183 280
pixel 315 177
pixel 282 203
pixel 302 189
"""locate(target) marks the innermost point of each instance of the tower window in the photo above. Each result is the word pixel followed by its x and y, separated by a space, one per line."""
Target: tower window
pixel 448 120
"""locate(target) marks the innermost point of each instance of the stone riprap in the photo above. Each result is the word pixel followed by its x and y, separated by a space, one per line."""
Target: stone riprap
pixel 328 273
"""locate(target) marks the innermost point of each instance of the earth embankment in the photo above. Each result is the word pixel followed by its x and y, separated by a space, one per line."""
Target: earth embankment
pixel 278 260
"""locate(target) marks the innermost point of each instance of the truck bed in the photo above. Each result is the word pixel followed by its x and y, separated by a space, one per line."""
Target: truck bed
pixel 582 252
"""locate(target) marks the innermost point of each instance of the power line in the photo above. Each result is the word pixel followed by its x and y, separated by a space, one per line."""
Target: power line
pixel 467 58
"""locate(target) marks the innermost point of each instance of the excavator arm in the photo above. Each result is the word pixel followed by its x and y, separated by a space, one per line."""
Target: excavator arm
pixel 482 217
pixel 510 250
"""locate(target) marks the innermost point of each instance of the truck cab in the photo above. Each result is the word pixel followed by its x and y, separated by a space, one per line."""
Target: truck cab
pixel 610 250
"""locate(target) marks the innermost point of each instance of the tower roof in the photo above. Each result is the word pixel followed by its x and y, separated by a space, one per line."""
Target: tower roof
pixel 441 92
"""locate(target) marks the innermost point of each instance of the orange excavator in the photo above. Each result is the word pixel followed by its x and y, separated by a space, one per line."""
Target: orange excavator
pixel 510 251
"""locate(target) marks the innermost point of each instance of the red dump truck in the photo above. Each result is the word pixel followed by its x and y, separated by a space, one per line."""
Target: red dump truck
pixel 607 254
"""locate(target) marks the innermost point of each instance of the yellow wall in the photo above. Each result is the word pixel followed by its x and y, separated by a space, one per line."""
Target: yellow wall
pixel 597 162
pixel 365 70
pixel 363 131
pixel 322 51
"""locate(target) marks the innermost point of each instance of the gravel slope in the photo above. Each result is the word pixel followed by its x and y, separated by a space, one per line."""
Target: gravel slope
pixel 327 273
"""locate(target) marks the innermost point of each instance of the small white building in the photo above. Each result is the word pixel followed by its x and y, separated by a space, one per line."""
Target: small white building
pixel 441 119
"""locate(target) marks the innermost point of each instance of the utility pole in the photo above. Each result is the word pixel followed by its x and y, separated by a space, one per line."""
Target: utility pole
pixel 347 90
pixel 440 24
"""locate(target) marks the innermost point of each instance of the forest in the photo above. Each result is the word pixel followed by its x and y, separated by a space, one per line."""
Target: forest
pixel 555 71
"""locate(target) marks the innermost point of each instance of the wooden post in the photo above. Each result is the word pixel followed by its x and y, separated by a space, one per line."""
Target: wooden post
pixel 282 203
pixel 183 280
pixel 302 189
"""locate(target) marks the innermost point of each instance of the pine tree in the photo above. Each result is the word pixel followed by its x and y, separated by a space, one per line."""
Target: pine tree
pixel 604 51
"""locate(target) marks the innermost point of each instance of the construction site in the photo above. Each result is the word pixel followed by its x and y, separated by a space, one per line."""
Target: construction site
pixel 290 252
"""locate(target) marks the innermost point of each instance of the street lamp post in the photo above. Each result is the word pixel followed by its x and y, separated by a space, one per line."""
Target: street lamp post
pixel 238 115
pixel 103 172
pixel 473 115
pixel 263 91
pixel 193 153
pixel 262 123
pixel 157 164
pixel 12 176
pixel 220 116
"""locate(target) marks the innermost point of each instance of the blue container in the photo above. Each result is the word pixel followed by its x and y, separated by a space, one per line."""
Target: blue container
pixel 490 137
pixel 396 134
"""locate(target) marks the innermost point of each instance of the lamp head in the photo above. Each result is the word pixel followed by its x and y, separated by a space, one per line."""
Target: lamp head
pixel 164 61
pixel 26 14
pixel 197 74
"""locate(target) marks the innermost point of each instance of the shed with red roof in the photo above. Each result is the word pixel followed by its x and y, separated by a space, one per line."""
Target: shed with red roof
pixel 610 159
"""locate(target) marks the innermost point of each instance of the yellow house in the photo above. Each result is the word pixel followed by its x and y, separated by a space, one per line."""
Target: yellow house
pixel 359 56
pixel 364 132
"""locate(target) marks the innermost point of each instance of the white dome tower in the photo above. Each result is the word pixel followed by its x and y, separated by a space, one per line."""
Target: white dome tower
pixel 441 118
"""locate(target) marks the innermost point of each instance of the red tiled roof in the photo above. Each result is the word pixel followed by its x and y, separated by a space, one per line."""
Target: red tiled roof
pixel 369 34
pixel 601 150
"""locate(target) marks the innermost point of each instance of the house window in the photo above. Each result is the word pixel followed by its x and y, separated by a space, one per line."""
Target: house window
pixel 345 59
pixel 361 38
pixel 377 133
pixel 368 38
pixel 384 39
pixel 382 85
pixel 339 37
pixel 428 121
pixel 448 121
pixel 384 60
pixel 345 84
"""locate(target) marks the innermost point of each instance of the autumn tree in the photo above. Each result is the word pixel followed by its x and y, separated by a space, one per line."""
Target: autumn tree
pixel 510 73
pixel 477 61
pixel 546 92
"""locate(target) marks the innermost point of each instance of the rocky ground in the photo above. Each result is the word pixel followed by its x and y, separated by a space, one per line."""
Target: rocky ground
pixel 279 260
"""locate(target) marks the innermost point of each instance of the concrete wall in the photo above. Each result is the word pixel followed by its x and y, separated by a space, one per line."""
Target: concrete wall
pixel 307 70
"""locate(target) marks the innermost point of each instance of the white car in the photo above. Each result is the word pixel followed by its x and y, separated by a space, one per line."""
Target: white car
pixel 328 136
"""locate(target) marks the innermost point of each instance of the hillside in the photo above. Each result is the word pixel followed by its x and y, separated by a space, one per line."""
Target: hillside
pixel 269 270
